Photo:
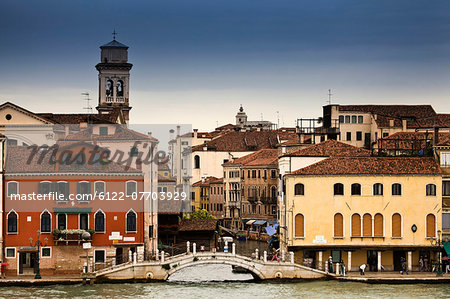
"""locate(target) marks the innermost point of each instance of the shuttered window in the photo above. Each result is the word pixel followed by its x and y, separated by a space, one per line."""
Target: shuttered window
pixel 378 225
pixel 396 226
pixel 299 226
pixel 431 226
pixel 367 225
pixel 338 226
pixel 356 225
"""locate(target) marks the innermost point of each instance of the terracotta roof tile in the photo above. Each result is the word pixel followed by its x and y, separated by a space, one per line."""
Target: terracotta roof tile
pixel 372 166
pixel 245 141
pixel 329 148
pixel 205 182
pixel 197 225
pixel 261 157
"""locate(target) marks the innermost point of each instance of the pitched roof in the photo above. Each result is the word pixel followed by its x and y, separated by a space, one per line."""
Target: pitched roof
pixel 372 166
pixel 165 179
pixel 329 148
pixel 121 132
pixel 407 140
pixel 197 225
pixel 19 159
pixel 77 118
pixel 245 141
pixel 261 157
pixel 444 140
pixel 114 44
pixel 385 113
pixel 205 182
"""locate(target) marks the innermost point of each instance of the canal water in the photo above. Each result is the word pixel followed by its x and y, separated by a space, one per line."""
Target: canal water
pixel 218 281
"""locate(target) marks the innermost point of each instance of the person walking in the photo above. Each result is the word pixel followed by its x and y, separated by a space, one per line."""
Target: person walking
pixel 3 269
pixel 421 264
pixel 362 269
pixel 403 265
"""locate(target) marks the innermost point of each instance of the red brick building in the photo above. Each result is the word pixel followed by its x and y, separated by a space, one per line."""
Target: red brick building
pixel 117 225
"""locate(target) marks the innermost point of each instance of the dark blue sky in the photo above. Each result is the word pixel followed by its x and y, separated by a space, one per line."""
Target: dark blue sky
pixel 196 61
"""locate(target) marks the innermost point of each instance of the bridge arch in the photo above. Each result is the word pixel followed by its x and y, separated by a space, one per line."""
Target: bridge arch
pixel 231 261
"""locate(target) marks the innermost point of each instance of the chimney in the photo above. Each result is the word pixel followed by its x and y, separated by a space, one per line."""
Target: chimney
pixel 302 138
pixel 83 125
pixel 178 131
pixel 195 133
pixel 171 131
pixel 149 134
pixel 404 125
pixel 391 123
pixel 258 129
pixel 66 130
pixel 436 136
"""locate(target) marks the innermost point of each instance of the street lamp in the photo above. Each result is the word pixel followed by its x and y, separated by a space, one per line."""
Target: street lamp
pixel 438 243
pixel 38 244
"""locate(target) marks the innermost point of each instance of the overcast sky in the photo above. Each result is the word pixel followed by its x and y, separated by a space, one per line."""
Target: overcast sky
pixel 196 61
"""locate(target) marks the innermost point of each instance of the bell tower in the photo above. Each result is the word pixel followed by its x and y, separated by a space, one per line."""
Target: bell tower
pixel 114 78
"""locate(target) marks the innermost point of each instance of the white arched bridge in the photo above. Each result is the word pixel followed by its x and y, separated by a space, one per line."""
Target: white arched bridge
pixel 163 268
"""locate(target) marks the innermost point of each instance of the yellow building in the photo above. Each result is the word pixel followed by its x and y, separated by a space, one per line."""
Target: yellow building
pixel 372 210
pixel 200 194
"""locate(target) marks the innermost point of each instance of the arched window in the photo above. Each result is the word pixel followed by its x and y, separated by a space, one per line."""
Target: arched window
pixel 131 187
pixel 99 187
pixel 46 220
pixel 119 86
pixel 12 222
pixel 196 161
pixel 63 188
pixel 367 225
pixel 431 226
pixel 338 189
pixel 299 189
pixel 62 221
pixel 356 225
pixel 44 187
pixel 338 225
pixel 378 230
pixel 13 188
pixel 273 192
pixel 396 189
pixel 377 189
pixel 299 226
pixel 356 189
pixel 99 221
pixel 131 221
pixel 431 190
pixel 84 188
pixel 396 225
pixel 109 88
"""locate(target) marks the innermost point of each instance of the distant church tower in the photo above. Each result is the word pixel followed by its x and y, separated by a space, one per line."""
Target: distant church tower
pixel 114 78
pixel 241 118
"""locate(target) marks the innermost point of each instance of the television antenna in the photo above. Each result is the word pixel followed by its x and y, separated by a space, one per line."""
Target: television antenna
pixel 88 107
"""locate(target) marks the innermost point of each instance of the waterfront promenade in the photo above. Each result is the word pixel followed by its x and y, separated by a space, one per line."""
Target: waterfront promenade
pixel 369 277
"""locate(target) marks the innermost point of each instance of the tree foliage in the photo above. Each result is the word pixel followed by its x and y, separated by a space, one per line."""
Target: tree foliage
pixel 199 214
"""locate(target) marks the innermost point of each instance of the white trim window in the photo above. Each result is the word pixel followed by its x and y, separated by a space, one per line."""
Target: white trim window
pixel 131 187
pixel 12 222
pixel 46 252
pixel 13 188
pixel 99 187
pixel 99 221
pixel 131 221
pixel 445 158
pixel 10 252
pixel 46 221
pixel 99 256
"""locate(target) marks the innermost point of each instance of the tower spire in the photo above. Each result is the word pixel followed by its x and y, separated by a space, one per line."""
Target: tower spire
pixel 114 34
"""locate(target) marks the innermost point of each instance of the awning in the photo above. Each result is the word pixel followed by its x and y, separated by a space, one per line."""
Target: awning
pixel 72 210
pixel 447 247
pixel 259 222
pixel 272 221
pixel 250 222
pixel 245 220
